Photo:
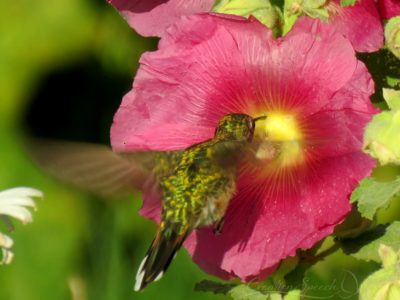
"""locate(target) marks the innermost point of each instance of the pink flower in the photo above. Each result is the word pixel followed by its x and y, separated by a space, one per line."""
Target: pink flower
pixel 152 17
pixel 316 96
pixel 360 23
pixel 389 8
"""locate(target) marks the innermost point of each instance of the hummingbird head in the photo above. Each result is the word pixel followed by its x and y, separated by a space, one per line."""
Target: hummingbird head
pixel 237 127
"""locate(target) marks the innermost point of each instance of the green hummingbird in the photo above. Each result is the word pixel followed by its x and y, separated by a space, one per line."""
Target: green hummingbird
pixel 195 184
pixel 196 192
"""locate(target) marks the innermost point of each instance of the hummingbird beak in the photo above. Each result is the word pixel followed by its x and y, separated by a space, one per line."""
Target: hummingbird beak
pixel 259 118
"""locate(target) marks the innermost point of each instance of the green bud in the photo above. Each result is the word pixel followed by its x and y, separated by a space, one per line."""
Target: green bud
pixel 317 9
pixel 392 35
pixel 388 256
pixel 293 295
pixel 392 98
pixel 382 134
pixel 261 9
pixel 345 3
pixel 312 8
pixel 275 296
pixel 385 283
pixel 390 291
pixel 240 7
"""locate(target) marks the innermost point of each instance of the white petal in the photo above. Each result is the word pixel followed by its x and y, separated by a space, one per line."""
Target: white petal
pixel 7 257
pixel 21 192
pixel 18 212
pixel 5 241
pixel 17 201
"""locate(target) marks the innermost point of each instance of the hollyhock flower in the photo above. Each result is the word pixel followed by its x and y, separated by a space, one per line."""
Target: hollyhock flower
pixel 152 17
pixel 14 203
pixel 315 94
pixel 360 23
pixel 389 8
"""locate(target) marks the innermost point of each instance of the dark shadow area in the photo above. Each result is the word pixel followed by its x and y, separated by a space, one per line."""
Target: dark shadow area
pixel 353 245
pixel 77 103
pixel 380 64
pixel 138 6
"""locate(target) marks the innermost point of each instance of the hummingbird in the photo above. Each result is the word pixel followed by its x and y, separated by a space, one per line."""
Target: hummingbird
pixel 196 193
pixel 195 184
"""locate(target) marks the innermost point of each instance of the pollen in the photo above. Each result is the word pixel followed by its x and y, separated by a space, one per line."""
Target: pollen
pixel 280 138
pixel 282 127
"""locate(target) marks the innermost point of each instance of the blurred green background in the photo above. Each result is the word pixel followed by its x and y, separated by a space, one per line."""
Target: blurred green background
pixel 64 67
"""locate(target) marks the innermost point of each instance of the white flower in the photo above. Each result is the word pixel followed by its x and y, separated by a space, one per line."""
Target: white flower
pixel 15 203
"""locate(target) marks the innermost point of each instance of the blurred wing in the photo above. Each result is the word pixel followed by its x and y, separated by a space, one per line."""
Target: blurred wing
pixel 234 153
pixel 95 168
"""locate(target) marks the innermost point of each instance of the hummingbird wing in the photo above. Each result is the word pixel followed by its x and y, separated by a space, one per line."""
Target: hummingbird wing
pixel 97 168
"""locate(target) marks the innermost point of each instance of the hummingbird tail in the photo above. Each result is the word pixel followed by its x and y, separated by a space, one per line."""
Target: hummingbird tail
pixel 158 258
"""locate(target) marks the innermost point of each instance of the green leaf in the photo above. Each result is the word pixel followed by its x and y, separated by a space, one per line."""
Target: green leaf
pixel 353 245
pixel 245 292
pixel 372 195
pixel 365 247
pixel 262 291
pixel 214 287
pixel 353 225
pixel 345 3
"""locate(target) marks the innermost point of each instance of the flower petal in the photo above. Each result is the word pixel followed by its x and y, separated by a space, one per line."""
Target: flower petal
pixel 210 65
pixel 7 256
pixel 5 241
pixel 17 201
pixel 13 202
pixel 389 8
pixel 152 17
pixel 20 192
pixel 360 23
pixel 263 231
pixel 18 212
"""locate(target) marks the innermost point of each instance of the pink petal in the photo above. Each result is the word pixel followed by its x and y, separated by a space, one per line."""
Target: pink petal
pixel 260 232
pixel 181 90
pixel 211 65
pixel 152 17
pixel 360 23
pixel 389 8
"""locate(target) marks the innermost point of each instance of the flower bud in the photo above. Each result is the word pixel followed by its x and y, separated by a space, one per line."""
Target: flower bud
pixel 383 132
pixel 261 9
pixel 385 283
pixel 392 35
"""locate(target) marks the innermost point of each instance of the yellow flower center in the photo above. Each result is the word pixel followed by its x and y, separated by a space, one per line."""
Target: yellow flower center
pixel 280 139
